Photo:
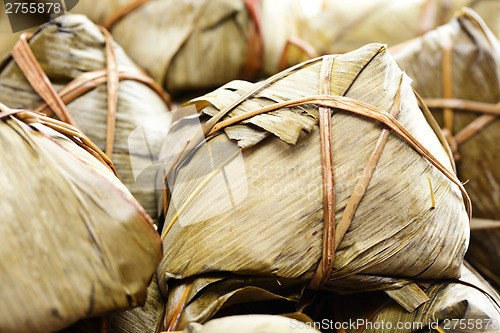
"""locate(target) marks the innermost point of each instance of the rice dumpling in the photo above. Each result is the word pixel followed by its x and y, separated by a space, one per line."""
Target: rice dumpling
pixel 300 177
pixel 74 242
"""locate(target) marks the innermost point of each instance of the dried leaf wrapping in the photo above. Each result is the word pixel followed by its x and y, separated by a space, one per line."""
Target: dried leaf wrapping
pixel 72 46
pixel 342 26
pixel 248 200
pixel 474 76
pixel 188 45
pixel 75 243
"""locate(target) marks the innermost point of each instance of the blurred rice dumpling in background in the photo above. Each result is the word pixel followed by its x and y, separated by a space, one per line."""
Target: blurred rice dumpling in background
pixel 100 90
pixel 190 45
pixel 74 242
pixel 453 68
pixel 456 68
pixel 250 202
pixel 336 26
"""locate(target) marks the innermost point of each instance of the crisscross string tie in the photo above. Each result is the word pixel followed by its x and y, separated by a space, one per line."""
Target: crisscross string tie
pixel 30 67
pixel 55 102
pixel 39 81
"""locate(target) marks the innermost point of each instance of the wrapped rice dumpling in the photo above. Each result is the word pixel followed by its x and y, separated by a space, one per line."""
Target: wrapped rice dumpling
pixel 74 242
pixel 326 175
pixel 189 45
pixel 456 69
pixel 465 305
pixel 99 90
pixel 344 25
